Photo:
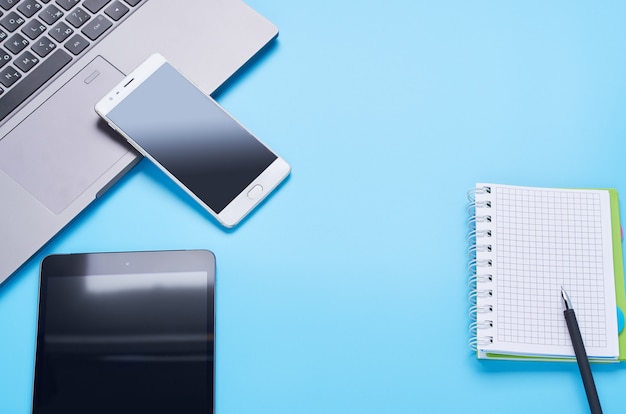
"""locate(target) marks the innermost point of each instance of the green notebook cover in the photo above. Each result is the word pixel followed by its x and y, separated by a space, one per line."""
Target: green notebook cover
pixel 618 264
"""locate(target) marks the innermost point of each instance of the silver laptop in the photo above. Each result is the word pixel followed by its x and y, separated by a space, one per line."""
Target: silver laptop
pixel 59 57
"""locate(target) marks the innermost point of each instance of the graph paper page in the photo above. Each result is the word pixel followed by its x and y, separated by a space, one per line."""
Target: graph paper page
pixel 542 240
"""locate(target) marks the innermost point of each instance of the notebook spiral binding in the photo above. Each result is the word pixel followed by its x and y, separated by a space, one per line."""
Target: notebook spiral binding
pixel 480 279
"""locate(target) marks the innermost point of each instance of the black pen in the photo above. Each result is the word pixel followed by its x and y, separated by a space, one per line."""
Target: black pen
pixel 581 355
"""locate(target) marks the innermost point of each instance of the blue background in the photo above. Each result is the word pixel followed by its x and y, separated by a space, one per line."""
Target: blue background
pixel 346 291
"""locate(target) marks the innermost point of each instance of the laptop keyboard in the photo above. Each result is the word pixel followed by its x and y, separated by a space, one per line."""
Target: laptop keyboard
pixel 38 38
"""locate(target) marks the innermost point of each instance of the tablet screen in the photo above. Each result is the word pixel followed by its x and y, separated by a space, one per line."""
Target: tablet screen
pixel 126 333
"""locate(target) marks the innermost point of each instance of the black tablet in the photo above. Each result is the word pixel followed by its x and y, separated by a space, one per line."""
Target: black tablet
pixel 126 333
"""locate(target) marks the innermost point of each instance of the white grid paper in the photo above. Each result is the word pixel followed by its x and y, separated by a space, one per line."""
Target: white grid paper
pixel 545 239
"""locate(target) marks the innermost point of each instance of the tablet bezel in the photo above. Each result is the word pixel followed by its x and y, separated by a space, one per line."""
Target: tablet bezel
pixel 122 263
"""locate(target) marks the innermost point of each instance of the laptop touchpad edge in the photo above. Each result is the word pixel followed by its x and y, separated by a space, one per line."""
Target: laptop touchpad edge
pixel 61 148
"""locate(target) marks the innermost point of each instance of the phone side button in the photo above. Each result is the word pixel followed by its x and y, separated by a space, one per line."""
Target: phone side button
pixel 255 192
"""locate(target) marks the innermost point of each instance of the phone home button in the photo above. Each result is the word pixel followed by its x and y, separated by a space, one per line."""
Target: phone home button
pixel 255 192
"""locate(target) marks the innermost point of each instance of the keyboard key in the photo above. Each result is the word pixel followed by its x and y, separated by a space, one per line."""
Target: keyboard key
pixel 33 81
pixel 4 58
pixel 51 14
pixel 60 32
pixel 95 5
pixel 16 43
pixel 43 46
pixel 67 4
pixel 78 17
pixel 29 7
pixel 76 44
pixel 3 36
pixel 9 76
pixel 132 3
pixel 26 61
pixel 12 21
pixel 34 29
pixel 116 10
pixel 7 4
pixel 95 28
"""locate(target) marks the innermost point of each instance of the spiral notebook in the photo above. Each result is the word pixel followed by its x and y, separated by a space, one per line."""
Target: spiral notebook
pixel 525 244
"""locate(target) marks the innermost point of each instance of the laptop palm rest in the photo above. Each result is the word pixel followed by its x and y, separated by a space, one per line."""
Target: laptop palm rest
pixel 61 149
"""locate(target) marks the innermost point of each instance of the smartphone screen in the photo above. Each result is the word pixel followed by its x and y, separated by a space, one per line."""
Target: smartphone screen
pixel 191 137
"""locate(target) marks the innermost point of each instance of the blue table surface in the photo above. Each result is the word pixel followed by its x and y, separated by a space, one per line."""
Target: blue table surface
pixel 346 291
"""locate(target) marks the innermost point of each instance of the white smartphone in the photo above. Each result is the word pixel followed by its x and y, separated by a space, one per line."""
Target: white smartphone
pixel 193 140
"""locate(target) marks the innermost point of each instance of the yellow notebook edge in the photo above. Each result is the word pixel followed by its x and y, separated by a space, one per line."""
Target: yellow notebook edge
pixel 620 293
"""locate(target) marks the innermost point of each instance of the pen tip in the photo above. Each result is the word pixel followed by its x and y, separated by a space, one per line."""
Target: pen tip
pixel 565 297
